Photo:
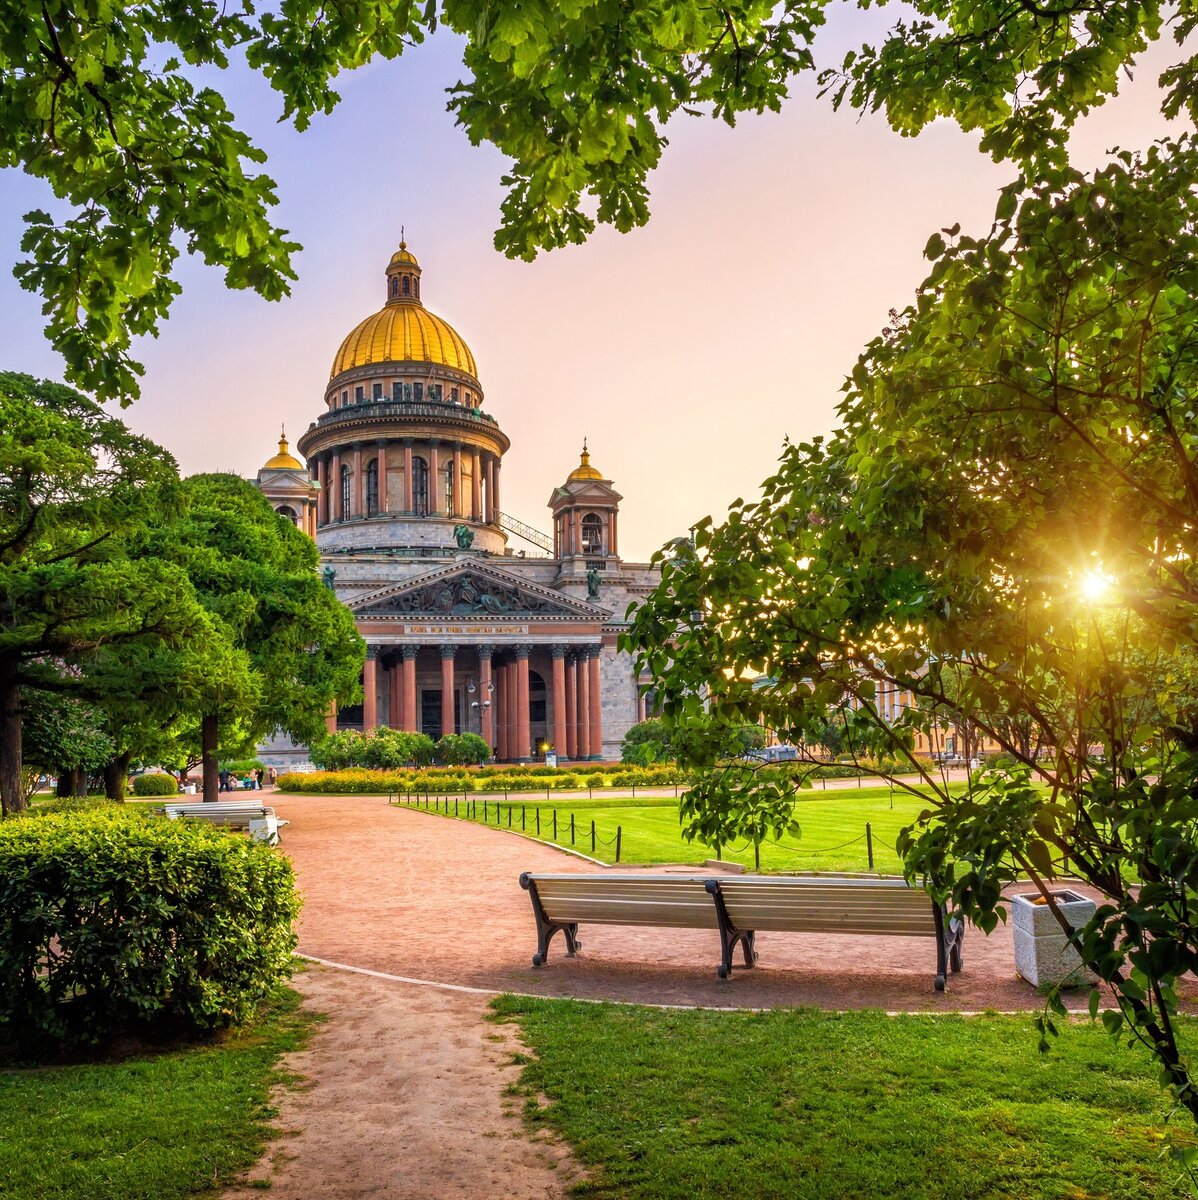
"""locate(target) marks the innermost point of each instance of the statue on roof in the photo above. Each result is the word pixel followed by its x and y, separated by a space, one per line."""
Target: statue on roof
pixel 464 536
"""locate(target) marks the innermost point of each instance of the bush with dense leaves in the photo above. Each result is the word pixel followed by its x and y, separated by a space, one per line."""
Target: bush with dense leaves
pixel 112 921
pixel 462 749
pixel 155 785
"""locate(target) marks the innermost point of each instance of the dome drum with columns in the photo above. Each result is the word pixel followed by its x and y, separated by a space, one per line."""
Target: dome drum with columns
pixel 465 631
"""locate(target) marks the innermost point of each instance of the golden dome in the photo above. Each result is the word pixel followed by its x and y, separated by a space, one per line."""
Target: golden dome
pixel 284 460
pixel 584 470
pixel 404 330
pixel 405 333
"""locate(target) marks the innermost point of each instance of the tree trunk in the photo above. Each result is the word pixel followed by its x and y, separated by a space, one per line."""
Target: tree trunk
pixel 12 794
pixel 73 782
pixel 116 774
pixel 208 738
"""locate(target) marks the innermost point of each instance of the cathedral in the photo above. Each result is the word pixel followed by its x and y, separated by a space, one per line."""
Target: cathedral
pixel 465 632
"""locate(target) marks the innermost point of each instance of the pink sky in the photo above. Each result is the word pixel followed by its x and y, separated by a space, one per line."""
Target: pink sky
pixel 686 351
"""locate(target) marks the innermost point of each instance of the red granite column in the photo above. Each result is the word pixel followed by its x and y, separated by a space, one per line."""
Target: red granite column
pixel 434 470
pixel 559 699
pixel 370 690
pixel 501 711
pixel 523 733
pixel 330 722
pixel 357 492
pixel 571 705
pixel 513 707
pixel 395 695
pixel 596 705
pixel 322 496
pixel 476 504
pixel 408 495
pixel 411 721
pixel 448 723
pixel 584 705
pixel 486 696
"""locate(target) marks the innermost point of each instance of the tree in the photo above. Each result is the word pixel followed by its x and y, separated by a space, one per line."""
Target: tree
pixel 115 108
pixel 74 483
pixel 290 647
pixel 62 736
pixel 1005 525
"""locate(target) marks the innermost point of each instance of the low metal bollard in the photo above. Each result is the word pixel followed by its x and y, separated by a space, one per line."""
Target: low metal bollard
pixel 619 831
pixel 869 845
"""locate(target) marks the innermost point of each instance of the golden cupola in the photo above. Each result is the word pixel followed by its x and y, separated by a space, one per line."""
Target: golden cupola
pixel 403 330
pixel 284 460
pixel 584 470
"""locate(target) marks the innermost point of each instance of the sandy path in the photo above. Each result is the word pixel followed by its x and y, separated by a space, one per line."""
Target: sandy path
pixel 403 1099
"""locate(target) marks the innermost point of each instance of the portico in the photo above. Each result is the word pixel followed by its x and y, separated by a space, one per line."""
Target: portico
pixel 470 648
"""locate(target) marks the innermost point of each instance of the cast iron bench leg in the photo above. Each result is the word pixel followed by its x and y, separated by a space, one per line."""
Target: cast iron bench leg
pixel 547 928
pixel 729 934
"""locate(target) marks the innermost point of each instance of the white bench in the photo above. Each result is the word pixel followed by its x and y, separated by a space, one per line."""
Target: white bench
pixel 739 906
pixel 259 819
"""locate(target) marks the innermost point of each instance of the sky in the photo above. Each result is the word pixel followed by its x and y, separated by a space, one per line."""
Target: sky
pixel 686 351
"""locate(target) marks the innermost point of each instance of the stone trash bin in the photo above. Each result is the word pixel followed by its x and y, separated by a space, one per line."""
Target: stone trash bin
pixel 1043 956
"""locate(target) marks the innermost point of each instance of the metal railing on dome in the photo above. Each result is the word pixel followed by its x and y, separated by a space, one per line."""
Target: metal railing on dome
pixel 403 408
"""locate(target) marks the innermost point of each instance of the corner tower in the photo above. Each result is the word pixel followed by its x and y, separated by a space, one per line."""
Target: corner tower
pixel 404 456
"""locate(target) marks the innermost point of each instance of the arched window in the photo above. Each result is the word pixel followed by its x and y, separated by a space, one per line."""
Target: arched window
pixel 372 488
pixel 407 286
pixel 346 474
pixel 285 510
pixel 449 486
pixel 394 286
pixel 420 487
pixel 592 534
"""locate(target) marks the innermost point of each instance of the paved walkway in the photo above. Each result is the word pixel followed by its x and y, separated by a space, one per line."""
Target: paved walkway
pixel 415 895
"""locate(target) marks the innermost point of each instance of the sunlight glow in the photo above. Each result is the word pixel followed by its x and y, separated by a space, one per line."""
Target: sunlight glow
pixel 1095 585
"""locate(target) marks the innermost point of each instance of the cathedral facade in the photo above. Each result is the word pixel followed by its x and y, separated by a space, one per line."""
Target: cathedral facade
pixel 474 621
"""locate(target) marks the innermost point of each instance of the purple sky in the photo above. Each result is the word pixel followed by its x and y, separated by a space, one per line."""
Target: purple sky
pixel 685 351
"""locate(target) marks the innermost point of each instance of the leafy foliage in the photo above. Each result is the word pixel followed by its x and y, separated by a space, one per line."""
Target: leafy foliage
pixel 110 921
pixel 1003 529
pixel 462 749
pixel 155 785
pixel 383 749
pixel 116 109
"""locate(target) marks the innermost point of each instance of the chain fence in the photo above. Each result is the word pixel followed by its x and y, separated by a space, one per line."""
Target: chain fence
pixel 550 826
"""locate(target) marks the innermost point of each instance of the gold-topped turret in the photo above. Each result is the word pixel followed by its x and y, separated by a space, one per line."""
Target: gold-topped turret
pixel 584 470
pixel 403 276
pixel 284 460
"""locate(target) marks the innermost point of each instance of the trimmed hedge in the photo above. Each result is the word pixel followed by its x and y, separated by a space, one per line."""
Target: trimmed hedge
pixel 111 921
pixel 536 778
pixel 155 785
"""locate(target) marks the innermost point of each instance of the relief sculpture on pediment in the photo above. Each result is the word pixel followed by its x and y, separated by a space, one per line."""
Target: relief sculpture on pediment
pixel 467 595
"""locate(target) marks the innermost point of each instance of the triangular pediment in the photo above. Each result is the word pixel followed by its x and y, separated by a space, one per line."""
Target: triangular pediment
pixel 472 589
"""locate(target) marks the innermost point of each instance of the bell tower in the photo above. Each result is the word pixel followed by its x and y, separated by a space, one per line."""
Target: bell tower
pixel 584 511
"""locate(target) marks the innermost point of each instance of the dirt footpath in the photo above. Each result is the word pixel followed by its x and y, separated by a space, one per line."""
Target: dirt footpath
pixel 403 1098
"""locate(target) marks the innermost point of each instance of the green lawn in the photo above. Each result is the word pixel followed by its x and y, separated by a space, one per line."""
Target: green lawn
pixel 824 1106
pixel 153 1127
pixel 650 831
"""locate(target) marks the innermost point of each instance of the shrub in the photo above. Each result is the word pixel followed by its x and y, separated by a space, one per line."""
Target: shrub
pixel 74 804
pixel 243 766
pixel 110 921
pixel 462 749
pixel 155 785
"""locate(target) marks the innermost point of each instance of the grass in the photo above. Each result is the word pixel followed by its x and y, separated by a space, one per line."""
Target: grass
pixel 151 1127
pixel 841 1106
pixel 832 830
